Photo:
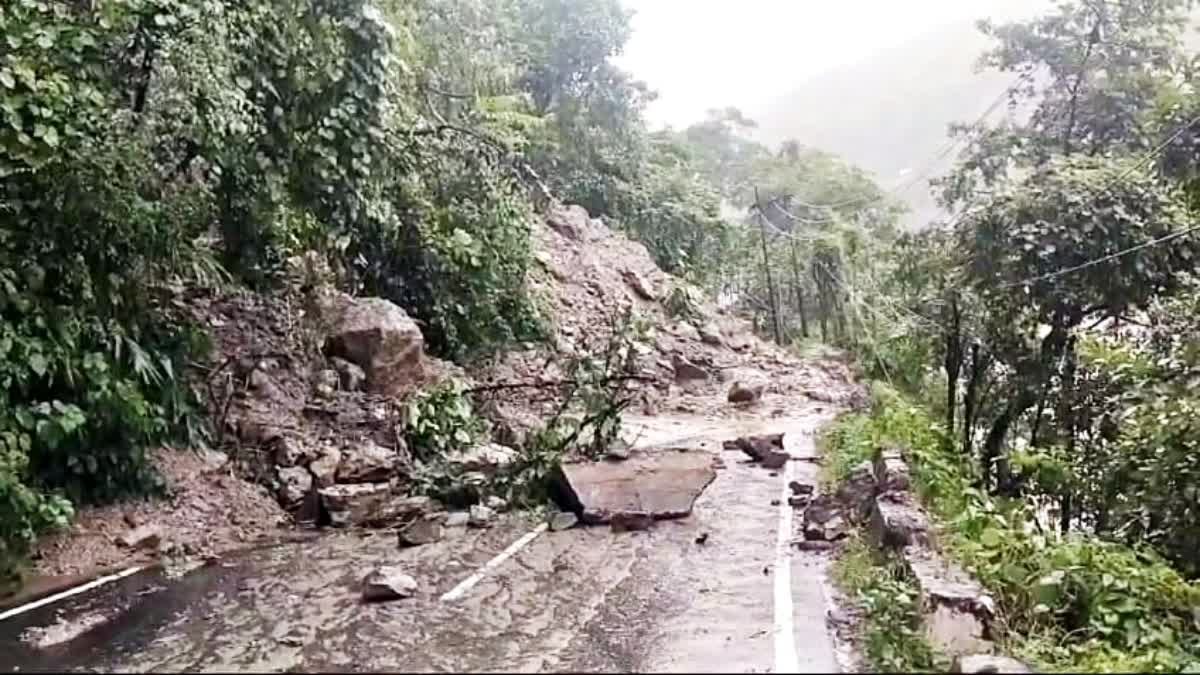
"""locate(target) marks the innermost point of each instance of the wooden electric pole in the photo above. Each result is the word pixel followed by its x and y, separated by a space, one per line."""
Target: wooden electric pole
pixel 762 231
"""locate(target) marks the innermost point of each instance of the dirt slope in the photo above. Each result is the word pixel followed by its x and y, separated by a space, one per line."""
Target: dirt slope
pixel 585 272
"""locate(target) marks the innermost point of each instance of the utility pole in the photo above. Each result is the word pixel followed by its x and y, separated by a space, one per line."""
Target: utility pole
pixel 762 231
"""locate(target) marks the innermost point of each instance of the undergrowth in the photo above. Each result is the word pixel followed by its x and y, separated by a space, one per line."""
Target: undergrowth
pixel 887 598
pixel 1074 603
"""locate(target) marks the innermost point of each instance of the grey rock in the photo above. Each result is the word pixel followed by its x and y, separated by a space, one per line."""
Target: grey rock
pixel 368 462
pixel 890 471
pixel 380 338
pixel 325 384
pixel 355 504
pixel 143 537
pixel 458 519
pixel 497 504
pixel 350 376
pixel 640 285
pixel 987 663
pixel 421 531
pixel 489 459
pixel 685 370
pixel 710 334
pixel 570 220
pixel 742 393
pixel 481 516
pixel 290 452
pixel 294 485
pixel 897 521
pixel 324 468
pixel 563 520
pixel 388 583
pixel 857 491
pixel 799 488
pixel 663 483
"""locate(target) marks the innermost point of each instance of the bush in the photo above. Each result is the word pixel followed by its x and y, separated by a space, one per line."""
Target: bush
pixel 1076 603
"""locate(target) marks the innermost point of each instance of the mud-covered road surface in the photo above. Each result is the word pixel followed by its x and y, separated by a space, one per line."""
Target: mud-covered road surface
pixel 584 599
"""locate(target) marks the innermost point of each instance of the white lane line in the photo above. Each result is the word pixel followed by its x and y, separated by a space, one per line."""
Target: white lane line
pixel 786 660
pixel 468 583
pixel 83 588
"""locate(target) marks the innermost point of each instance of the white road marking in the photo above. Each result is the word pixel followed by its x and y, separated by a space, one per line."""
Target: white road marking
pixel 785 634
pixel 468 583
pixel 83 588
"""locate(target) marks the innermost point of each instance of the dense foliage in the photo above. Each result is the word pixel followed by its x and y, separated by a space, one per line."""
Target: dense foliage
pixel 150 147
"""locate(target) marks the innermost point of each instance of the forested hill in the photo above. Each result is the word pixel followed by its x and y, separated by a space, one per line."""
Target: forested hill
pixel 889 112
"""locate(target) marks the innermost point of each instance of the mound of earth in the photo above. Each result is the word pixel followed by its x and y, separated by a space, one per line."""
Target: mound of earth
pixel 306 394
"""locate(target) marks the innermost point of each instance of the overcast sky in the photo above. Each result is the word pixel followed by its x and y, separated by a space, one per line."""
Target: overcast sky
pixel 700 54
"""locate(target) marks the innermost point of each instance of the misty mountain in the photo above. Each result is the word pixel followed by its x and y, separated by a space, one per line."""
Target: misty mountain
pixel 890 112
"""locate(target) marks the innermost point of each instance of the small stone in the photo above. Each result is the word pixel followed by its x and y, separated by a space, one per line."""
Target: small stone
pixel 799 488
pixel 988 663
pixel 457 519
pixel 388 583
pixel 325 384
pixel 739 393
pixel 813 545
pixel 290 452
pixel 481 516
pixel 131 519
pixel 421 531
pixel 497 504
pixel 291 641
pixel 563 520
pixel 295 484
pixel 143 537
pixel 619 451
pixel 367 463
pixel 775 502
pixel 350 376
pixel 324 468
pixel 710 334
pixel 702 539
pixel 798 501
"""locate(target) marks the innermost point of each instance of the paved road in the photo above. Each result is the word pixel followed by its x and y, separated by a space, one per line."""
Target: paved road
pixel 581 600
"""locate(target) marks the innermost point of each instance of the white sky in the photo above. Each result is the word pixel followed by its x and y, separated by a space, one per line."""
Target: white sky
pixel 701 54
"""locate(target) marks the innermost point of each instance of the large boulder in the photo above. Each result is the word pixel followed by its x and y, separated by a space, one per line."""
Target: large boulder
pixel 569 220
pixel 324 468
pixel 367 462
pixel 380 338
pixel 661 483
pixel 686 371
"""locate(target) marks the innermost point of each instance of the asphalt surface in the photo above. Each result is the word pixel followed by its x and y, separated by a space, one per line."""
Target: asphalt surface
pixel 585 599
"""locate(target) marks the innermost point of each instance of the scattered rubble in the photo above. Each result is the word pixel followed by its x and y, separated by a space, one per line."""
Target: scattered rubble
pixel 388 583
pixel 823 520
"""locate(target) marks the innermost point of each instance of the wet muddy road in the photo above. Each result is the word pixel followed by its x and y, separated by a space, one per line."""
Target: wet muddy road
pixel 585 599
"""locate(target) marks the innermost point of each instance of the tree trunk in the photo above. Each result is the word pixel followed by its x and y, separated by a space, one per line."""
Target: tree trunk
pixel 772 299
pixel 952 363
pixel 970 400
pixel 799 286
